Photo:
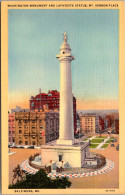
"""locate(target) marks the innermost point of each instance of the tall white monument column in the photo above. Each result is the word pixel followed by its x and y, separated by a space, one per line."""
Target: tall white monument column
pixel 64 149
pixel 66 131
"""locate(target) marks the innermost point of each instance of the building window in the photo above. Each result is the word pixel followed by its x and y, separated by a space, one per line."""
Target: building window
pixel 41 127
pixel 20 131
pixel 33 127
pixel 20 142
pixel 26 142
pixel 13 139
pixel 33 143
pixel 25 126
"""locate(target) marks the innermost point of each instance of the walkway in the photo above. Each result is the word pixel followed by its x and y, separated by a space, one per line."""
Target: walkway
pixel 108 166
pixel 102 143
pixel 92 137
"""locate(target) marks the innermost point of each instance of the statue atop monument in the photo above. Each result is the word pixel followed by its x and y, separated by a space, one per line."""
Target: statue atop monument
pixel 65 36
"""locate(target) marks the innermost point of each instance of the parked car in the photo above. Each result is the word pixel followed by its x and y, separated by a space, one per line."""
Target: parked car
pixel 76 136
pixel 115 140
pixel 117 148
pixel 112 145
pixel 20 147
pixel 112 140
pixel 14 147
pixel 31 147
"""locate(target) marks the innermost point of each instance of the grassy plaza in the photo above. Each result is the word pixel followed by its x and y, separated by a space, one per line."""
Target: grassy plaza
pixel 99 140
pixel 93 145
pixel 105 146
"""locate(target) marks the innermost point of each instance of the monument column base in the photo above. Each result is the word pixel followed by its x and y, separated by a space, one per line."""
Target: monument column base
pixel 65 142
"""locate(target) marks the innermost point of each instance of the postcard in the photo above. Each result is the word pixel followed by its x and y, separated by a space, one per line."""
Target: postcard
pixel 63 97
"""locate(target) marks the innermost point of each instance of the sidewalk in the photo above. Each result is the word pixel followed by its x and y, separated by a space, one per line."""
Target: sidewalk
pixel 102 143
pixel 107 167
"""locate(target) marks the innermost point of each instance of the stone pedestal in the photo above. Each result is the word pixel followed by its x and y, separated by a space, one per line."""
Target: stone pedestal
pixel 75 155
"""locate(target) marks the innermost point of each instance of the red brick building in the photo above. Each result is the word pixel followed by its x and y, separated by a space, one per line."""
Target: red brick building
pixel 117 126
pixel 109 120
pixel 101 124
pixel 52 98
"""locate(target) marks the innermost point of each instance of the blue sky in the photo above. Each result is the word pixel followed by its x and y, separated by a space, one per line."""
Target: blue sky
pixel 35 37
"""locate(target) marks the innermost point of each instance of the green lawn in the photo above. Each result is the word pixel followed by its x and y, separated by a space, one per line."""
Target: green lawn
pixel 108 141
pixel 101 137
pixel 89 136
pixel 85 139
pixel 93 145
pixel 105 146
pixel 97 140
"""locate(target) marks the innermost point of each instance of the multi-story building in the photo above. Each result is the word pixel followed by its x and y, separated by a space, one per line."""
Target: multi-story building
pixel 101 124
pixel 36 128
pixel 117 126
pixel 53 100
pixel 19 109
pixel 89 123
pixel 109 120
pixel 11 127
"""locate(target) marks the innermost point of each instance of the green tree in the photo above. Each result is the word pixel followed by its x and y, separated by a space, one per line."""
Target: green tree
pixel 41 181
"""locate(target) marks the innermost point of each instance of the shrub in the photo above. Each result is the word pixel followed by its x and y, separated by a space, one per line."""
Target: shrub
pixel 41 181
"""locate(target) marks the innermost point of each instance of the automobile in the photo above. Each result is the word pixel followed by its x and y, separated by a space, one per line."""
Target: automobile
pixel 14 147
pixel 30 147
pixel 112 140
pixel 115 140
pixel 10 145
pixel 112 145
pixel 76 136
pixel 20 147
pixel 117 148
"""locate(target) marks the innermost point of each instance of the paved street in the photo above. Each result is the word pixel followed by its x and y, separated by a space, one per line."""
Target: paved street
pixel 20 156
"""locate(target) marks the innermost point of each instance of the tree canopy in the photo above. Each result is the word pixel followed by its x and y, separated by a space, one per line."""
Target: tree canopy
pixel 41 181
